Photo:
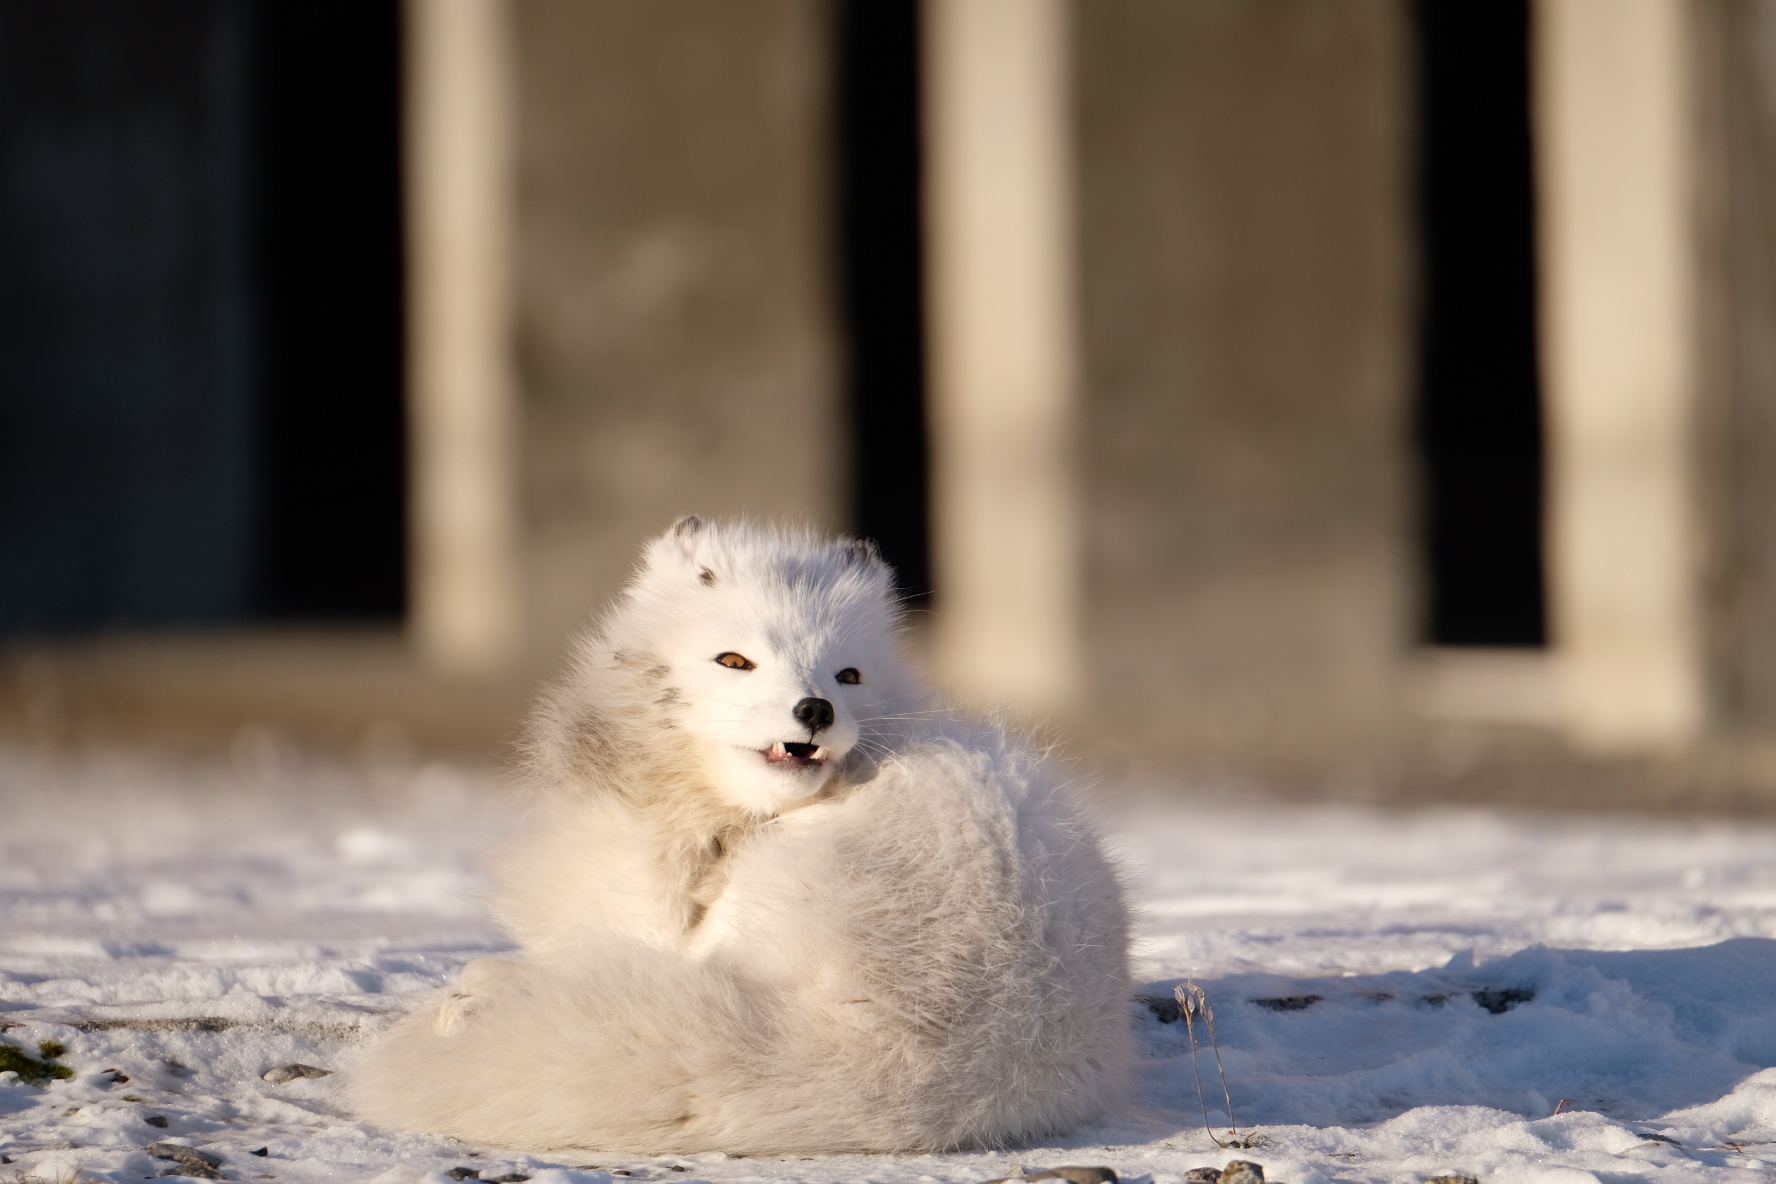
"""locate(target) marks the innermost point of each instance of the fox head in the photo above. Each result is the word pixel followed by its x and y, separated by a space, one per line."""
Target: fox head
pixel 769 657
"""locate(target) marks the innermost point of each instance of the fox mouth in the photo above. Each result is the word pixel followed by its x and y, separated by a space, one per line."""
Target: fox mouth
pixel 793 755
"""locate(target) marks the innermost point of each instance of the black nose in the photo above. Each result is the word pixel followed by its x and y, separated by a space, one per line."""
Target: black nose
pixel 814 714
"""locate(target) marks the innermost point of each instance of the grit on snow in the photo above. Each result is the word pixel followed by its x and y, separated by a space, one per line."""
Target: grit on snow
pixel 1396 995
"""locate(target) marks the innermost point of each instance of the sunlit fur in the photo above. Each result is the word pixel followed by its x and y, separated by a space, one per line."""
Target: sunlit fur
pixel 917 946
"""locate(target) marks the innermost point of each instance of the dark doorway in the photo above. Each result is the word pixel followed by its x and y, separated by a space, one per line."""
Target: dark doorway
pixel 1479 409
pixel 200 312
pixel 333 541
pixel 882 278
pixel 128 324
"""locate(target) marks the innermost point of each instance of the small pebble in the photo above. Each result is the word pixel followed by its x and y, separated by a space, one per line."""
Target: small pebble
pixel 285 1073
pixel 461 1173
pixel 156 1120
pixel 199 1165
pixel 261 1152
pixel 1453 1180
pixel 1203 1175
pixel 1073 1175
pixel 1243 1171
pixel 184 1154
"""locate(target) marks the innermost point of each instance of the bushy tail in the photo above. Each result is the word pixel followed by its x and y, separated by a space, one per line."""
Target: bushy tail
pixel 638 1051
pixel 621 1053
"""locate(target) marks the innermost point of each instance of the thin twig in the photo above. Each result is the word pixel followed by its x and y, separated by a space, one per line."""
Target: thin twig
pixel 1187 1005
pixel 1200 999
pixel 1209 1016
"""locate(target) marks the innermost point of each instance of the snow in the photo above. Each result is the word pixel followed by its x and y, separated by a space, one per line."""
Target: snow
pixel 1430 986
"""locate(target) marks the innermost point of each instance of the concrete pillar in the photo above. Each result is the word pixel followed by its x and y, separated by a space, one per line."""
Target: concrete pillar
pixel 1000 300
pixel 1245 246
pixel 1618 168
pixel 464 562
pixel 674 291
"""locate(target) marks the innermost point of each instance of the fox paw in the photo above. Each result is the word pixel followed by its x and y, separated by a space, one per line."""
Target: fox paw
pixel 480 979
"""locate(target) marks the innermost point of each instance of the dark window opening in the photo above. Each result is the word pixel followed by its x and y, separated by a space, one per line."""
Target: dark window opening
pixel 200 313
pixel 334 480
pixel 1479 410
pixel 128 409
pixel 881 279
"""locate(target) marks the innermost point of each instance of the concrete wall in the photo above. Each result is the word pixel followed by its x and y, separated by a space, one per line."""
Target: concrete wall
pixel 1245 228
pixel 674 342
pixel 1738 71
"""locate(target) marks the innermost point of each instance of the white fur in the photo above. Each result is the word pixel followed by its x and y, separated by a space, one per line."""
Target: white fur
pixel 917 946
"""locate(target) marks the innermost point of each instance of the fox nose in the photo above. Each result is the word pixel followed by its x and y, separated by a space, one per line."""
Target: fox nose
pixel 814 714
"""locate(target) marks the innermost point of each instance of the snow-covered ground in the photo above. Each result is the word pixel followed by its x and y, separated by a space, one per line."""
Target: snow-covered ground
pixel 1396 995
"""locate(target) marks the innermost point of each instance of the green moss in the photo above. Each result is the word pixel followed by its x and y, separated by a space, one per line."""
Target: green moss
pixel 34 1071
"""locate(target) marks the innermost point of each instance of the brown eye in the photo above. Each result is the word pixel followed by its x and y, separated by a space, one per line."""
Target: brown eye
pixel 849 676
pixel 735 661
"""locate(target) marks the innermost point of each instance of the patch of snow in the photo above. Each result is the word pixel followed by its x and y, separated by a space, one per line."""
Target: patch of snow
pixel 1395 995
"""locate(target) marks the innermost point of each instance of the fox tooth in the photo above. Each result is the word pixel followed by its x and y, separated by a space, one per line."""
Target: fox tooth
pixel 777 749
pixel 819 753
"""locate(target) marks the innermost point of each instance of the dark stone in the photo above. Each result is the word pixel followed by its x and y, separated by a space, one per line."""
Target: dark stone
pixel 184 1154
pixel 1657 1138
pixel 1075 1175
pixel 158 1120
pixel 460 1173
pixel 1164 1007
pixel 1243 1171
pixel 261 1152
pixel 1203 1175
pixel 510 1178
pixel 1289 1002
pixel 1499 1000
pixel 1453 1180
pixel 291 1072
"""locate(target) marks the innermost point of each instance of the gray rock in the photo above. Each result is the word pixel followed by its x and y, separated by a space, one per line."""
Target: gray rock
pixel 285 1073
pixel 1075 1175
pixel 183 1154
pixel 188 1161
pixel 1243 1171
pixel 1203 1175
pixel 1453 1180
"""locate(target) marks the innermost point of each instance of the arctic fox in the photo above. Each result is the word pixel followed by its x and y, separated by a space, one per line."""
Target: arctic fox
pixel 769 901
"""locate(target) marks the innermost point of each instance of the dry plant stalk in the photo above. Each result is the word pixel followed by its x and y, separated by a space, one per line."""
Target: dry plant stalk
pixel 1192 999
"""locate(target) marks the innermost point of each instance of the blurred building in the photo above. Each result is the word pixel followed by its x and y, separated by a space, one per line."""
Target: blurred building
pixel 1368 392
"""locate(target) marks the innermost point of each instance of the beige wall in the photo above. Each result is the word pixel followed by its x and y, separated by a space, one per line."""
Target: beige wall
pixel 1738 75
pixel 675 346
pixel 1244 252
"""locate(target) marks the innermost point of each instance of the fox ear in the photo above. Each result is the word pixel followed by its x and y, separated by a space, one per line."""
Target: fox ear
pixel 861 553
pixel 685 532
pixel 681 547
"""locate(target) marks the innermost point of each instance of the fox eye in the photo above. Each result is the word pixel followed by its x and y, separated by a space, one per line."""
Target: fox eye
pixel 735 661
pixel 849 676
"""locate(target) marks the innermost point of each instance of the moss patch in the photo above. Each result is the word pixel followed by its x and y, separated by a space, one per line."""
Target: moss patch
pixel 35 1071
